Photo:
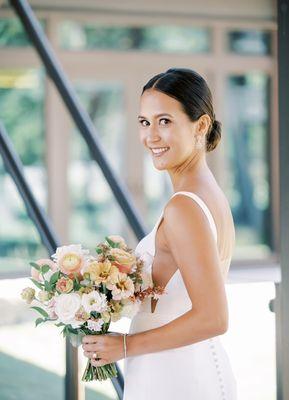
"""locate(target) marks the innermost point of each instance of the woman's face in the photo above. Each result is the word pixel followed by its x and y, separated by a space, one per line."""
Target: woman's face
pixel 165 130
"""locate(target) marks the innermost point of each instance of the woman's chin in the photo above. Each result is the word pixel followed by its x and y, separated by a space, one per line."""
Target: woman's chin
pixel 161 166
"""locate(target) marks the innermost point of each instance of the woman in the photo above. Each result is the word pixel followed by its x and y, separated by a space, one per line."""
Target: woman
pixel 173 346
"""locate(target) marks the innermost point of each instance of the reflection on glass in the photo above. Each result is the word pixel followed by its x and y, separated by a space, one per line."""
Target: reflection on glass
pixel 95 213
pixel 160 38
pixel 247 175
pixel 250 42
pixel 21 111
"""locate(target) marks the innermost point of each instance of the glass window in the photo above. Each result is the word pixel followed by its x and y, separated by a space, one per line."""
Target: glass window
pixel 247 173
pixel 95 212
pixel 249 42
pixel 163 38
pixel 12 33
pixel 21 111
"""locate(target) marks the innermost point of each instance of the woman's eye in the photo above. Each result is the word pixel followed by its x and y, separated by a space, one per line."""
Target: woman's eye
pixel 141 122
pixel 164 119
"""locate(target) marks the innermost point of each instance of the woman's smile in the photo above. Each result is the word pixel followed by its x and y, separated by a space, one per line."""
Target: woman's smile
pixel 159 151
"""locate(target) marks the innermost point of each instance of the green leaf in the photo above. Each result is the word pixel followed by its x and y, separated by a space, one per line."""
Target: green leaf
pixel 72 330
pixel 59 324
pixel 98 250
pixel 47 286
pixel 111 242
pixel 39 321
pixel 41 311
pixel 38 284
pixel 34 265
pixel 75 277
pixel 45 268
pixel 54 278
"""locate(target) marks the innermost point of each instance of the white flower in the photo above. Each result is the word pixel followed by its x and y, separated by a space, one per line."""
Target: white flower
pixel 130 309
pixel 95 325
pixel 66 306
pixel 43 296
pixel 94 301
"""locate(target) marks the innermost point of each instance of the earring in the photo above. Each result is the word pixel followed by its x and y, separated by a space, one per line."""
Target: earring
pixel 199 141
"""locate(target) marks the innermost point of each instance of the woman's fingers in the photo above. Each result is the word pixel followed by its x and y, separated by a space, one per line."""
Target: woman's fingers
pixel 90 354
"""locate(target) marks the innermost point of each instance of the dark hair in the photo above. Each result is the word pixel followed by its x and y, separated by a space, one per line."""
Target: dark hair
pixel 192 91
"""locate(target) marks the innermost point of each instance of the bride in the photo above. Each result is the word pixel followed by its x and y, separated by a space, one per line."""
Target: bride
pixel 174 348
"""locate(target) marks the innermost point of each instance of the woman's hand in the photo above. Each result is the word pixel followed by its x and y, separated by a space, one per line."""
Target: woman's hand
pixel 108 347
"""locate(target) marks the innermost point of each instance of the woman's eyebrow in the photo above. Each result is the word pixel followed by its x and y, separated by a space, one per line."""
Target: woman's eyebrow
pixel 158 115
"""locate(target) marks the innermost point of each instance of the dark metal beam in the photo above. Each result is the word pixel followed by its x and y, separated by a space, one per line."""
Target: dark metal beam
pixel 283 291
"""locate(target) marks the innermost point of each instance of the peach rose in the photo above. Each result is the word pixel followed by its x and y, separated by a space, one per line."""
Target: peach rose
pixel 123 260
pixel 64 285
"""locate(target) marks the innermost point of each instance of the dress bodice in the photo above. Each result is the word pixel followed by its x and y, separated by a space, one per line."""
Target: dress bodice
pixel 175 300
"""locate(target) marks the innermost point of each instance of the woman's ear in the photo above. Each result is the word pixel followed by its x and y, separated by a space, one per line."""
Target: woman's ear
pixel 203 124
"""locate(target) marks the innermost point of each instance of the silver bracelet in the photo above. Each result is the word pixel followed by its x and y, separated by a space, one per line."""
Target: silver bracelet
pixel 124 343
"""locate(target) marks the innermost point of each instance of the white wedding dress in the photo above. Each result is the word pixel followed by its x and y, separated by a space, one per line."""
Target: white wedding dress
pixel 199 371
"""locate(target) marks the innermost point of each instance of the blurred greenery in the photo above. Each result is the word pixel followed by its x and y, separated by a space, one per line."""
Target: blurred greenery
pixel 22 113
pixel 159 38
pixel 12 33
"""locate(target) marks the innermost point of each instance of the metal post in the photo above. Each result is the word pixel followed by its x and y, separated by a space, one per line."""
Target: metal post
pixel 283 291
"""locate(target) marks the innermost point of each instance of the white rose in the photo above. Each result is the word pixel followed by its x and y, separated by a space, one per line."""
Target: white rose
pixel 94 301
pixel 66 306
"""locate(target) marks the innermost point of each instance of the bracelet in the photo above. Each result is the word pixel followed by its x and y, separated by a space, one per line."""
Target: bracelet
pixel 124 343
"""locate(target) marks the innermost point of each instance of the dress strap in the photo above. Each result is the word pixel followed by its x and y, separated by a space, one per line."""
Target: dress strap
pixel 204 207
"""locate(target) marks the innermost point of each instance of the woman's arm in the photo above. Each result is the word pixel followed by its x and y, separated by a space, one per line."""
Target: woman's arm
pixel 192 244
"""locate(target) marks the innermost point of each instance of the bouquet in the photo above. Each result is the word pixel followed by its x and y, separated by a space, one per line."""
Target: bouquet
pixel 83 293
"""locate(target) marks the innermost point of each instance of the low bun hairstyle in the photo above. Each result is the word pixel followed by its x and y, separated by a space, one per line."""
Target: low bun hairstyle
pixel 192 91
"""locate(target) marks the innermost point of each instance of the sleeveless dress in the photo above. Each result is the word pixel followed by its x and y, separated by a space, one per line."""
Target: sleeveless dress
pixel 199 371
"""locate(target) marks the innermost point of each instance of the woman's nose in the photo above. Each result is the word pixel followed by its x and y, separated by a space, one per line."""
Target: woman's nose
pixel 153 134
